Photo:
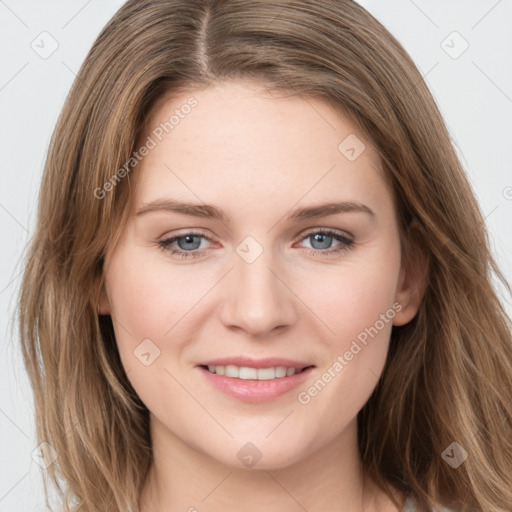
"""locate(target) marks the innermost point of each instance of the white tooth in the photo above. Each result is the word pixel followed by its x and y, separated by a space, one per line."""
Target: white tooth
pixel 232 371
pixel 248 373
pixel 266 373
pixel 281 372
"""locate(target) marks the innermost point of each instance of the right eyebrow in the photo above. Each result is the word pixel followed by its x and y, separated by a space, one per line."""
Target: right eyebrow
pixel 196 210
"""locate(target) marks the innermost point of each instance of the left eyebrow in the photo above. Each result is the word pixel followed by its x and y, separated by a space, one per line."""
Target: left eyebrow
pixel 323 210
pixel 214 212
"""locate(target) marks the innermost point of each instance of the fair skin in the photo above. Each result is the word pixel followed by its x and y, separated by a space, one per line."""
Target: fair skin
pixel 258 157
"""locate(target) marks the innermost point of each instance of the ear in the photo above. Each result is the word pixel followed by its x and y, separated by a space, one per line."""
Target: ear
pixel 414 273
pixel 103 303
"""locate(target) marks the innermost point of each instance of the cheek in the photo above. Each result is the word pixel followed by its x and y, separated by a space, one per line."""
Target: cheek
pixel 144 306
pixel 147 295
pixel 357 306
pixel 146 301
pixel 137 303
pixel 349 298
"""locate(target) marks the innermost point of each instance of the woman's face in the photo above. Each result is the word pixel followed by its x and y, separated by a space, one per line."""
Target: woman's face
pixel 256 276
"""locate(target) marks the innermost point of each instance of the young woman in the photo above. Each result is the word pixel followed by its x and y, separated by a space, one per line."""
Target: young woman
pixel 260 279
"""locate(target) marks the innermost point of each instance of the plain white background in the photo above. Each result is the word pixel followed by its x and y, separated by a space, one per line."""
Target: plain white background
pixel 462 47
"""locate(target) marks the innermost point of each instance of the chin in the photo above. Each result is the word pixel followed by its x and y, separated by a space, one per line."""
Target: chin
pixel 263 455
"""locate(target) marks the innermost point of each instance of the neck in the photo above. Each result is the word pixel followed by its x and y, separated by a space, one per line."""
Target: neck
pixel 328 478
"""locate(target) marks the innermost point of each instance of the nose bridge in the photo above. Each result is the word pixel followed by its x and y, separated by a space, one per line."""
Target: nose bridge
pixel 257 299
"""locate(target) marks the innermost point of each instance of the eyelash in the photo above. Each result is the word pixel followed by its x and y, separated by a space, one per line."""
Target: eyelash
pixel 346 243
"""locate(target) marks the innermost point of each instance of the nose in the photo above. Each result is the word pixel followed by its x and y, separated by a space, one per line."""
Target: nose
pixel 258 299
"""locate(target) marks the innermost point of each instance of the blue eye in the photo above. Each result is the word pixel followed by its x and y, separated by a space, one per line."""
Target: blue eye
pixel 188 244
pixel 325 238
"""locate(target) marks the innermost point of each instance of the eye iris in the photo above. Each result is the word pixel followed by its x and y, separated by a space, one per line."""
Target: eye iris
pixel 319 237
pixel 189 239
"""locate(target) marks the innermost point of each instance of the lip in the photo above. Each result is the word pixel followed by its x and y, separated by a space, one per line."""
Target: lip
pixel 251 390
pixel 267 362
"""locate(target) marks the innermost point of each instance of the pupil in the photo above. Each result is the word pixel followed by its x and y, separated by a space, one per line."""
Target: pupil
pixel 188 239
pixel 322 238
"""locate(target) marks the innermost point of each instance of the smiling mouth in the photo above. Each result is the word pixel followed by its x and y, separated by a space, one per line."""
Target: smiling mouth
pixel 249 373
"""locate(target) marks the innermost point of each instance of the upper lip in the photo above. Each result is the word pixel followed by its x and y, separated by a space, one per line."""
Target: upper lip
pixel 268 362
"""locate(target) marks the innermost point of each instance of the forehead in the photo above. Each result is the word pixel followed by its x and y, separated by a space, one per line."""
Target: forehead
pixel 239 138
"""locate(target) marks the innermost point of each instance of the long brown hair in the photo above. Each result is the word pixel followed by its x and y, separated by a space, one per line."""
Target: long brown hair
pixel 448 376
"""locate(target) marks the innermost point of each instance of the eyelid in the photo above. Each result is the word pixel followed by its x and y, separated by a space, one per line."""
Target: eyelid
pixel 311 231
pixel 183 233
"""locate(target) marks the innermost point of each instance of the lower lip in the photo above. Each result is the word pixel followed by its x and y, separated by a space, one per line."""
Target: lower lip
pixel 255 391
